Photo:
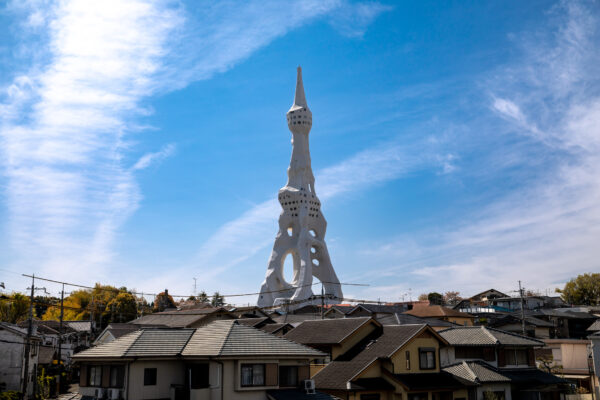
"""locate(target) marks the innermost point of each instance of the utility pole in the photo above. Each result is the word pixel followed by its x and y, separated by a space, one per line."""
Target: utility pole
pixel 28 342
pixel 522 309
pixel 92 316
pixel 322 301
pixel 60 334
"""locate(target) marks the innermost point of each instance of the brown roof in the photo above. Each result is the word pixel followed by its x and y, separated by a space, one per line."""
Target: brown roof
pixel 326 331
pixel 337 373
pixel 436 312
pixel 273 328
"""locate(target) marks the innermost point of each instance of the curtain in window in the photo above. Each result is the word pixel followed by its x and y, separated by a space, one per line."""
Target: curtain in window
pixel 246 375
pixel 258 375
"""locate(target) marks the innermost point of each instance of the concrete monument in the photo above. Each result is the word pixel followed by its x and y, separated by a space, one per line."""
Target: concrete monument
pixel 301 225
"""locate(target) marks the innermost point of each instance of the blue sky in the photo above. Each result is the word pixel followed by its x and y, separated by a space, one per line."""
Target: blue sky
pixel 455 144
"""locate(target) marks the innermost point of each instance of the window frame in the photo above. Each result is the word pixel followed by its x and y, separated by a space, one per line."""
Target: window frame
pixel 148 376
pixel 425 351
pixel 95 376
pixel 407 355
pixel 263 366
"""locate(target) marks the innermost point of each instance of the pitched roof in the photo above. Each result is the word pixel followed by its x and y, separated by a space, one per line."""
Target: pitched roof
pixel 219 338
pixel 337 373
pixel 79 326
pixel 229 338
pixel 483 336
pixel 512 318
pixel 254 321
pixel 476 372
pixel 326 331
pixel 595 326
pixel 273 328
pixel 436 312
pixel 380 308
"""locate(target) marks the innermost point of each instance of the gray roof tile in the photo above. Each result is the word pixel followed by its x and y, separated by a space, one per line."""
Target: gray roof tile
pixel 476 372
pixel 325 331
pixel 482 336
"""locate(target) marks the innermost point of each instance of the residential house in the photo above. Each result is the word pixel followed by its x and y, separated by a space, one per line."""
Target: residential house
pixel 375 310
pixel 115 330
pixel 74 336
pixel 567 323
pixel 256 322
pixel 484 297
pixel 339 311
pixel 12 357
pixel 595 350
pixel 402 363
pixel 337 338
pixel 442 313
pixel 221 360
pixel 595 327
pixel 193 318
pixel 508 354
pixel 570 359
pixel 534 327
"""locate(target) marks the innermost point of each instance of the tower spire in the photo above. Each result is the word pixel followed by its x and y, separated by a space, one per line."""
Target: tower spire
pixel 300 97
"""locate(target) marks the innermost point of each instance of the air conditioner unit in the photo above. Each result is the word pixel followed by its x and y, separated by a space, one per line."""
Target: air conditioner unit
pixel 100 393
pixel 309 386
pixel 115 394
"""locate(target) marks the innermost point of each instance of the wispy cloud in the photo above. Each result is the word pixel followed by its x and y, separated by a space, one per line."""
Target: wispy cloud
pixel 65 120
pixel 543 232
pixel 151 158
pixel 354 19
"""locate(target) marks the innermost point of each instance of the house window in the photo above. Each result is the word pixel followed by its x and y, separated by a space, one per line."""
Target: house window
pixel 516 357
pixel 149 376
pixel 407 359
pixel 95 375
pixel 117 375
pixel 253 374
pixel 288 376
pixel 494 395
pixel 427 358
pixel 199 375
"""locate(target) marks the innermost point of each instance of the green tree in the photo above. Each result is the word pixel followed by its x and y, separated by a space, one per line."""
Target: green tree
pixel 435 298
pixel 163 301
pixel 217 300
pixel 422 297
pixel 14 308
pixel 203 297
pixel 584 290
pixel 123 307
pixel 75 307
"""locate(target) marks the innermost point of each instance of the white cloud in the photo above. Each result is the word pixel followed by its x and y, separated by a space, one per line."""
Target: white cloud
pixel 148 159
pixel 543 233
pixel 66 119
pixel 354 19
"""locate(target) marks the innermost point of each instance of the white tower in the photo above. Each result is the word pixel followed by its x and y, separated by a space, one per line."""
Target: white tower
pixel 301 224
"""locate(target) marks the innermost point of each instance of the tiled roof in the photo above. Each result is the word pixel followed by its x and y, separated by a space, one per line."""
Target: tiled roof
pixel 115 349
pixel 595 326
pixel 337 373
pixel 159 343
pixel 272 328
pixel 220 338
pixel 508 319
pixel 326 331
pixel 294 319
pixel 80 326
pixel 253 321
pixel 228 338
pixel 476 372
pixel 178 318
pixel 482 336
pixel 532 377
pixel 381 308
pixel 436 312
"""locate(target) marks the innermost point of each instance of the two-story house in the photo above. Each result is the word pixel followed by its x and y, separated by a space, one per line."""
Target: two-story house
pixel 505 353
pixel 402 363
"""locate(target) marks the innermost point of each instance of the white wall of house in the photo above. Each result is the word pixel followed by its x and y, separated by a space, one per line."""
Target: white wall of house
pixel 167 374
pixel 11 360
pixel 447 357
pixel 595 348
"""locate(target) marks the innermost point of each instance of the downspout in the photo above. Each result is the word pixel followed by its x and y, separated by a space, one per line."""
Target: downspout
pixel 127 383
pixel 222 375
